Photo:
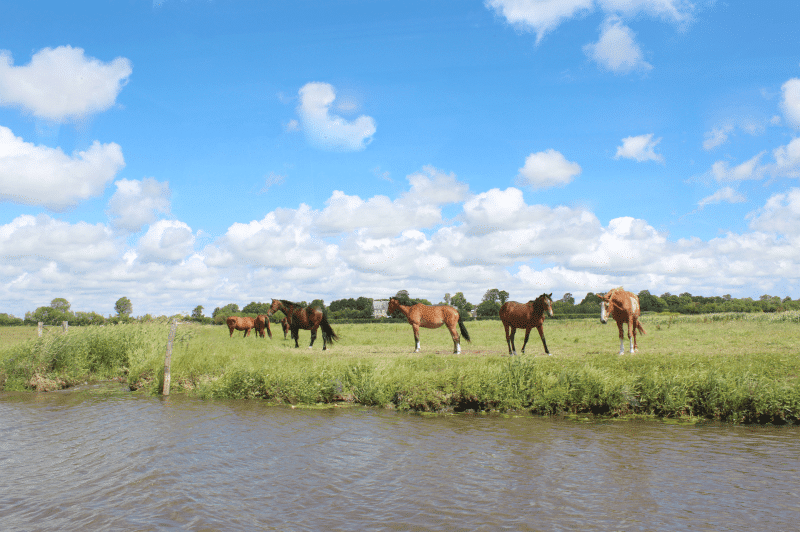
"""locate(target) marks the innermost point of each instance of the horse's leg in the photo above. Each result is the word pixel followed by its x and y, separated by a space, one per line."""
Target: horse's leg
pixel 540 327
pixel 454 334
pixel 512 348
pixel 621 339
pixel 415 327
pixel 632 329
pixel 295 335
pixel 313 337
pixel 527 334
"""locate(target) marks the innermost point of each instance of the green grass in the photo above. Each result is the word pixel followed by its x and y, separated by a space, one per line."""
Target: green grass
pixel 739 368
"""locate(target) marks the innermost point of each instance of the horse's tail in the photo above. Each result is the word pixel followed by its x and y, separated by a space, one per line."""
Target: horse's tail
pixel 463 328
pixel 327 331
pixel 640 328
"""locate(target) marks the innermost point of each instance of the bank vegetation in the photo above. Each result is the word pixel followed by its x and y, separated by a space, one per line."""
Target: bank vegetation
pixel 742 368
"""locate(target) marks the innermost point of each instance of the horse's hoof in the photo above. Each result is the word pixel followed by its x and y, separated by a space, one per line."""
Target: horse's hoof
pixel 621 353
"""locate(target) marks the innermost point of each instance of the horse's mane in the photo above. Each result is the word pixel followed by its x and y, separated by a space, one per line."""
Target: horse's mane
pixel 291 304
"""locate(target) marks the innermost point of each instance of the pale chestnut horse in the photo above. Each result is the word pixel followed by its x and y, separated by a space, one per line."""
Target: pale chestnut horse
pixel 431 316
pixel 624 307
pixel 262 323
pixel 526 316
pixel 309 318
pixel 240 323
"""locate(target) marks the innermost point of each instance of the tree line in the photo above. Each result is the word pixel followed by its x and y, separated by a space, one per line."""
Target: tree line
pixel 60 310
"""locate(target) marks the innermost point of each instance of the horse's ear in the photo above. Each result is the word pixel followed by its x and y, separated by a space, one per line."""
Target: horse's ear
pixel 550 296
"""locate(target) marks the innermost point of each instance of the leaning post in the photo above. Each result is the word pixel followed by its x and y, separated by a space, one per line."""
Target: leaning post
pixel 41 326
pixel 168 357
pixel 65 326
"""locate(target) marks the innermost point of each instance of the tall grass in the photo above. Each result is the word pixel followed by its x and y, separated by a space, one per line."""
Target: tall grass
pixel 699 367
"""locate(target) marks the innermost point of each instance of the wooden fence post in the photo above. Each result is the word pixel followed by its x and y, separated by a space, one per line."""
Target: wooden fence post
pixel 168 357
pixel 65 326
pixel 41 326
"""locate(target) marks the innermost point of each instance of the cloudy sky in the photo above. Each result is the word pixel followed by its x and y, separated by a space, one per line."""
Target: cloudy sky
pixel 202 152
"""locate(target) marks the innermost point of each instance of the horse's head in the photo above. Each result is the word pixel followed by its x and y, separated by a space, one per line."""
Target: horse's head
pixel 394 305
pixel 276 306
pixel 547 303
pixel 605 301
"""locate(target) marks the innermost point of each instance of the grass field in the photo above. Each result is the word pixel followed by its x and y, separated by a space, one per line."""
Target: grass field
pixel 741 368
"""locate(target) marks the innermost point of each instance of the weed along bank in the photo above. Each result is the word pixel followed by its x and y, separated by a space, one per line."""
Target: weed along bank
pixel 733 368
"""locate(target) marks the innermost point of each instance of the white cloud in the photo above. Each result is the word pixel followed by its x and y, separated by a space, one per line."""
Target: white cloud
pixel 677 11
pixel 617 50
pixel 138 202
pixel 641 148
pixel 166 241
pixel 725 194
pixel 717 137
pixel 329 131
pixel 38 175
pixel 62 83
pixel 540 16
pixel 787 160
pixel 547 169
pixel 781 214
pixel 791 101
pixel 749 170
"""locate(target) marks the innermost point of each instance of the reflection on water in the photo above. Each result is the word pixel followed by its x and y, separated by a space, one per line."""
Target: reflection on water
pixel 116 460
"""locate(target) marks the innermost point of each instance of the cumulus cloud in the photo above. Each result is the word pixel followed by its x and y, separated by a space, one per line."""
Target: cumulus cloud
pixel 725 194
pixel 791 101
pixel 166 241
pixel 640 148
pixel 547 169
pixel 617 50
pixel 138 202
pixel 781 214
pixel 541 16
pixel 327 130
pixel 38 175
pixel 717 137
pixel 62 83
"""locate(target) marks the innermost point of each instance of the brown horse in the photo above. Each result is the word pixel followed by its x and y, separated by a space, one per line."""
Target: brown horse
pixel 431 316
pixel 285 326
pixel 624 307
pixel 305 318
pixel 241 323
pixel 530 315
pixel 262 323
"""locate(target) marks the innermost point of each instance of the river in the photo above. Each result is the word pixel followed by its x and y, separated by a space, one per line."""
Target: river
pixel 101 458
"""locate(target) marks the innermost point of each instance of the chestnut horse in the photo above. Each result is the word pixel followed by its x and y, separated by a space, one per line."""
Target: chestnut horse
pixel 526 316
pixel 241 323
pixel 285 326
pixel 624 307
pixel 431 316
pixel 305 318
pixel 262 323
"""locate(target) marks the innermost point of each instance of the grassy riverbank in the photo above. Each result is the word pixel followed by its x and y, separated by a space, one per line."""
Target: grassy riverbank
pixel 739 368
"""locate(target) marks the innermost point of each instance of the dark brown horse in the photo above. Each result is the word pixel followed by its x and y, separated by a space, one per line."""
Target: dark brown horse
pixel 526 316
pixel 431 316
pixel 285 326
pixel 624 307
pixel 240 323
pixel 262 323
pixel 305 318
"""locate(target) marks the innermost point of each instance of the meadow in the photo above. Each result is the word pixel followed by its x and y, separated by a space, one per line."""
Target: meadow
pixel 742 368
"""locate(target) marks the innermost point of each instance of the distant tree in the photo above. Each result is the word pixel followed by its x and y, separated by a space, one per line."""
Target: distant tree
pixel 60 304
pixel 197 312
pixel 319 304
pixel 650 302
pixel 10 320
pixel 256 308
pixel 226 311
pixel 447 298
pixel 459 301
pixel 123 307
pixel 568 298
pixel 490 304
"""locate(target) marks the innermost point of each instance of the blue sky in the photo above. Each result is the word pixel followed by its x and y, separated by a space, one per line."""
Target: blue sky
pixel 188 152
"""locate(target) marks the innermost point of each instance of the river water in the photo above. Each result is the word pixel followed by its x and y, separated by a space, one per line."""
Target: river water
pixel 105 459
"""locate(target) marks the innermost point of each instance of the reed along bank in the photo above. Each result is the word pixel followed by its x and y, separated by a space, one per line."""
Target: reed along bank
pixel 741 368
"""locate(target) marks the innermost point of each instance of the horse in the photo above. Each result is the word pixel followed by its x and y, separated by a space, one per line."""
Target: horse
pixel 432 317
pixel 624 307
pixel 530 315
pixel 285 326
pixel 262 323
pixel 241 323
pixel 305 318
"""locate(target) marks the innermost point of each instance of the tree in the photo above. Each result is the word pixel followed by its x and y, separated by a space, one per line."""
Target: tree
pixel 460 302
pixel 198 312
pixel 226 311
pixel 447 298
pixel 568 298
pixel 123 307
pixel 256 308
pixel 60 304
pixel 490 305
